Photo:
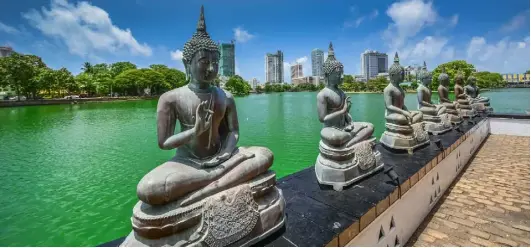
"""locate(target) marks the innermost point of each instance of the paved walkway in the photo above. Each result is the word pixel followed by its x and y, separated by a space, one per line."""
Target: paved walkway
pixel 488 205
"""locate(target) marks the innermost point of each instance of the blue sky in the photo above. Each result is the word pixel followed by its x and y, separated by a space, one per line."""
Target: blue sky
pixel 493 35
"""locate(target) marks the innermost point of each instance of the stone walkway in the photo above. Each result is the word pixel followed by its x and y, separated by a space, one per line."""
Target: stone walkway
pixel 488 204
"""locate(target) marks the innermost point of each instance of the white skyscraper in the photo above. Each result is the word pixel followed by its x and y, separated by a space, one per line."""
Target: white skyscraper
pixel 274 67
pixel 317 62
pixel 372 63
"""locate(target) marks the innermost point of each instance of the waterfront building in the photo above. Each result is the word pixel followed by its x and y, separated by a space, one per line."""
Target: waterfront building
pixel 274 67
pixel 5 51
pixel 372 63
pixel 317 62
pixel 296 71
pixel 254 83
pixel 308 80
pixel 227 61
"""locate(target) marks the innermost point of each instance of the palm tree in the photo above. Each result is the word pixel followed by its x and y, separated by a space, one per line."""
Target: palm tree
pixel 87 67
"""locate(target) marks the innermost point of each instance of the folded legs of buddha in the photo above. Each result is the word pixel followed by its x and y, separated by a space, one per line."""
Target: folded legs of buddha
pixel 182 178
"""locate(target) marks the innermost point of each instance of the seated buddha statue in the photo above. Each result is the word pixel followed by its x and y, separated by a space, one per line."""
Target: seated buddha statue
pixel 434 116
pixel 211 181
pixel 404 129
pixel 451 107
pixel 478 102
pixel 346 148
pixel 463 102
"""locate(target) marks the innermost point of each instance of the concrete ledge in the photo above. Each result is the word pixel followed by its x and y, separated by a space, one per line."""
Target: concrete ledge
pixel 509 125
pixel 376 211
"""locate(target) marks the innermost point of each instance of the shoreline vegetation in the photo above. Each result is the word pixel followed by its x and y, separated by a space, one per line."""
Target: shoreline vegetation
pixel 27 76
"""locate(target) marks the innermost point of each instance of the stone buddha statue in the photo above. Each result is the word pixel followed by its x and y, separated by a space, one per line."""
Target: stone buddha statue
pixel 463 103
pixel 481 104
pixel 404 129
pixel 347 149
pixel 434 116
pixel 212 193
pixel 451 107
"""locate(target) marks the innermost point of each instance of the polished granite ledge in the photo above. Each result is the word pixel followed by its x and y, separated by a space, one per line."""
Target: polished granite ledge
pixel 317 215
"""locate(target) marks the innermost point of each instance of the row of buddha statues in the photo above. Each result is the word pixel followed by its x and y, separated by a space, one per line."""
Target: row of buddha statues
pixel 214 193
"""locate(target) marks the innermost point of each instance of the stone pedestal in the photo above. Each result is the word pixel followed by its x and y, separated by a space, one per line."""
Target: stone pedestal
pixel 405 137
pixel 240 216
pixel 437 124
pixel 341 167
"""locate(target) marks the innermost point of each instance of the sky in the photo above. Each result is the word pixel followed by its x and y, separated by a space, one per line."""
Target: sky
pixel 492 35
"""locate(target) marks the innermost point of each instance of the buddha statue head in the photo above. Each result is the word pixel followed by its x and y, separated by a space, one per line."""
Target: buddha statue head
pixel 333 69
pixel 201 56
pixel 396 71
pixel 459 78
pixel 471 80
pixel 443 78
pixel 425 75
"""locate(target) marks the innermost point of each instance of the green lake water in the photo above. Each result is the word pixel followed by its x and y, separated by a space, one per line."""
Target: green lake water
pixel 69 172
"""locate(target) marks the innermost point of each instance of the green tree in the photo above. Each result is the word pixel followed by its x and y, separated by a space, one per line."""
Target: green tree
pixel 86 83
pixel 348 83
pixel 87 67
pixel 268 88
pixel 238 86
pixel 119 67
pixel 452 68
pixel 173 77
pixel 259 89
pixel 377 84
pixel 20 72
pixel 134 81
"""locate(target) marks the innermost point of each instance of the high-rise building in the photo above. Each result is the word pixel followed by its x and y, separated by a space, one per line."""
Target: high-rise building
pixel 5 51
pixel 254 83
pixel 372 63
pixel 317 63
pixel 274 67
pixel 227 61
pixel 296 71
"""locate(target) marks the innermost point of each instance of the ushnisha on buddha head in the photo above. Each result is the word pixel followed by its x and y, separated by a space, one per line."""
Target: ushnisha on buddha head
pixel 333 69
pixel 201 56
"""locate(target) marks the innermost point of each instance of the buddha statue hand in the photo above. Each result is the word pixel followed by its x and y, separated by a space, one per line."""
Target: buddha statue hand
pixel 346 105
pixel 203 119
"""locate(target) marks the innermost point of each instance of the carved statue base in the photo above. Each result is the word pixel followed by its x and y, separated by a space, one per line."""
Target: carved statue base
pixel 240 216
pixel 453 116
pixel 482 107
pixel 405 137
pixel 436 125
pixel 345 166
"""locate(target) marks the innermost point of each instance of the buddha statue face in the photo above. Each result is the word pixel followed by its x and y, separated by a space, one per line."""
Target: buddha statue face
pixel 397 76
pixel 444 81
pixel 396 71
pixel 203 68
pixel 335 77
pixel 472 81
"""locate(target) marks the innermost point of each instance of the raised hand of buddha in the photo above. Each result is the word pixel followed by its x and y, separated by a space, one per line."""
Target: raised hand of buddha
pixel 346 105
pixel 203 119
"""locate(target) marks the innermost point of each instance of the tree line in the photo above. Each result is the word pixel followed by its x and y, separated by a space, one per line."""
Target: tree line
pixel 29 76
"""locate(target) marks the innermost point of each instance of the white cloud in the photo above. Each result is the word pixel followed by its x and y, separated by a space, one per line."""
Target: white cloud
pixel 176 55
pixel 241 35
pixel 454 20
pixel 302 60
pixel 448 53
pixel 85 29
pixel 516 22
pixel 427 49
pixel 409 18
pixel 504 56
pixel 374 14
pixel 356 23
pixel 8 29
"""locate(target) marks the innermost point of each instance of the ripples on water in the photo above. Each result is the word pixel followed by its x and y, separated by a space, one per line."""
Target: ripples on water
pixel 70 171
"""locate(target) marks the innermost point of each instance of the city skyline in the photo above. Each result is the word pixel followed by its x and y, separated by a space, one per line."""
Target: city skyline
pixel 494 39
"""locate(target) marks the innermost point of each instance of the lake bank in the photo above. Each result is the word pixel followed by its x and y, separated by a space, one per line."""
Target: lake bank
pixel 7 104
